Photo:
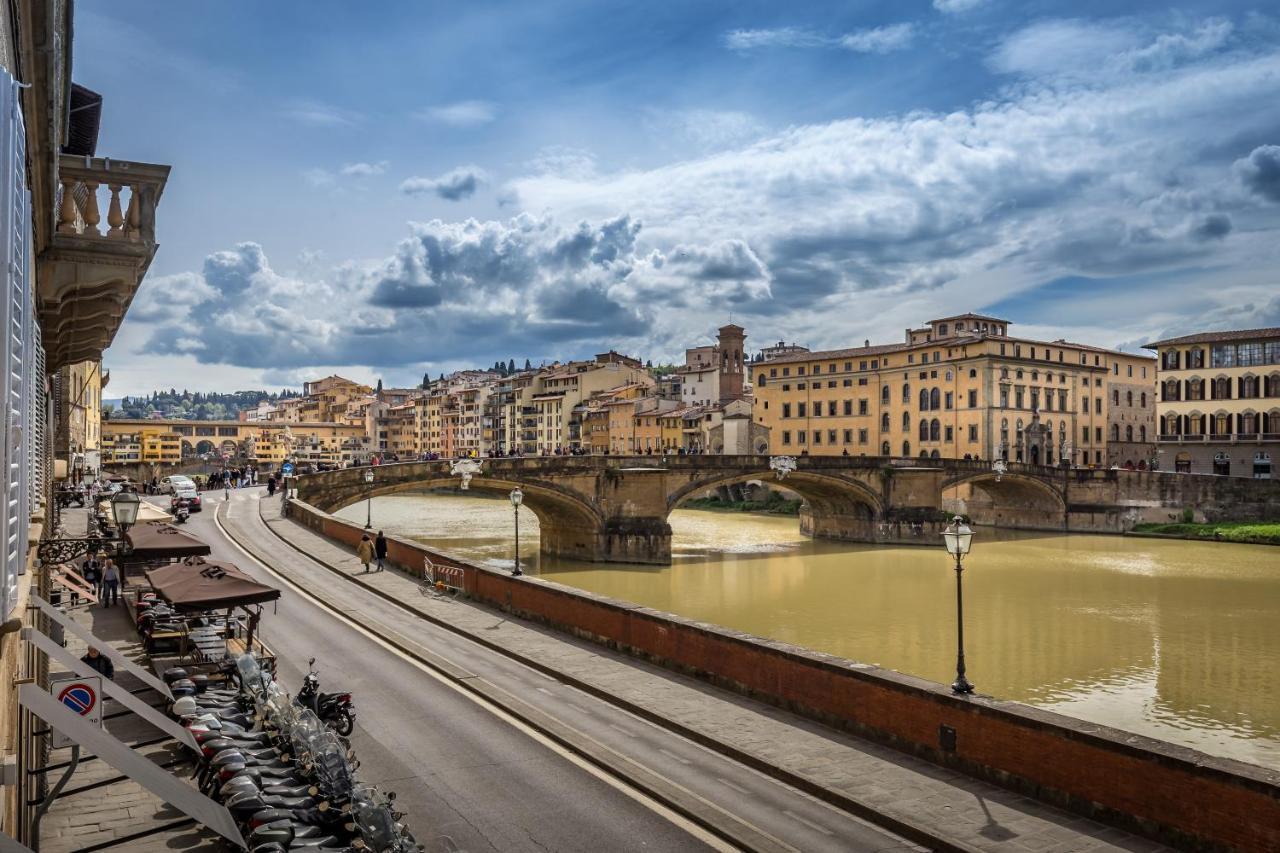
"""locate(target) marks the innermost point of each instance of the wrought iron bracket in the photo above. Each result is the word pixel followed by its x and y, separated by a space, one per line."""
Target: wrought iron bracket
pixel 66 550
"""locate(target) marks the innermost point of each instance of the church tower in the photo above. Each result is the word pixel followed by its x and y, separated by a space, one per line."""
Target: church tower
pixel 729 344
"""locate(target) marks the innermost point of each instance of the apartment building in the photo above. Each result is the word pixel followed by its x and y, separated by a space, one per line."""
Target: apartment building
pixel 1219 405
pixel 960 387
pixel 548 406
pixel 714 374
pixel 77 390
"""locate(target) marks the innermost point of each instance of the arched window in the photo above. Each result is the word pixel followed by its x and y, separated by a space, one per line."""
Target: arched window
pixel 1115 432
pixel 906 422
pixel 906 394
pixel 1171 390
pixel 935 430
pixel 1273 422
pixel 1222 388
pixel 1142 434
pixel 1273 385
pixel 935 455
pixel 924 430
pixel 935 399
pixel 924 400
pixel 1048 377
pixel 1128 398
pixel 1035 376
pixel 885 449
pixel 1222 424
pixel 1143 400
pixel 948 375
pixel 884 423
pixel 906 448
pixel 1249 387
pixel 884 395
pixel 1128 433
pixel 973 373
pixel 1004 373
pixel 761 380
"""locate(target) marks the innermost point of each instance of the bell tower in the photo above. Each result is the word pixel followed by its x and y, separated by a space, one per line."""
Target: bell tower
pixel 729 346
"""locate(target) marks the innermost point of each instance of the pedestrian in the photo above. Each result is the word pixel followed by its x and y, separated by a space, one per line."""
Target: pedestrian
pixel 100 663
pixel 92 573
pixel 380 550
pixel 271 485
pixel 110 584
pixel 364 552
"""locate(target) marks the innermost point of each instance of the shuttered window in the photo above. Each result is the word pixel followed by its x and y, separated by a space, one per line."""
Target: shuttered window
pixel 20 348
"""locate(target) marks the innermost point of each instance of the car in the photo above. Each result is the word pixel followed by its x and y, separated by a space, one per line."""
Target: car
pixel 178 481
pixel 188 496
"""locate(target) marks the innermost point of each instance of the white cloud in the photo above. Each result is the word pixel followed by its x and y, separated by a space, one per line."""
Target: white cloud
pixel 780 37
pixel 704 130
pixel 462 113
pixel 318 178
pixel 364 170
pixel 320 114
pixel 454 185
pixel 879 39
pixel 957 6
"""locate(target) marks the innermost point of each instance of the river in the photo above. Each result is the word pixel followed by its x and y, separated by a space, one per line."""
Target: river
pixel 1176 640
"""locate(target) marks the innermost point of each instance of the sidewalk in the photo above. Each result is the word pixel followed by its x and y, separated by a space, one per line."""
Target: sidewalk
pixel 839 768
pixel 117 810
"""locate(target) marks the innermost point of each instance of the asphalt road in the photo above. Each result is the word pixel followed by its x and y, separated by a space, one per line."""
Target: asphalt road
pixel 484 781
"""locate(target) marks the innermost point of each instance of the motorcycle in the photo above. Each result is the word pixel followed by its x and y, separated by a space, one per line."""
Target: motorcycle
pixel 333 708
pixel 181 513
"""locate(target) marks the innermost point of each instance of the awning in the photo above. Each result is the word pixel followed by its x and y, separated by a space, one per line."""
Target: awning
pixel 163 541
pixel 147 511
pixel 200 584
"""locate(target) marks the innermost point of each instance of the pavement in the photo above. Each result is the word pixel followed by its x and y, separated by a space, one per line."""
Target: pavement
pixel 796 783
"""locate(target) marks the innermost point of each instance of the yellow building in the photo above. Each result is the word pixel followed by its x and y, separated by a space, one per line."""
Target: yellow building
pixel 169 442
pixel 78 417
pixel 958 387
pixel 1219 408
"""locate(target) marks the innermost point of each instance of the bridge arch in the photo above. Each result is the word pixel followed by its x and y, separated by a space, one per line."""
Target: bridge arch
pixel 1011 500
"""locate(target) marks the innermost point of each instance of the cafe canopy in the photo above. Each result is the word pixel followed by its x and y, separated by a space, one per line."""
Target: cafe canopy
pixel 163 542
pixel 200 584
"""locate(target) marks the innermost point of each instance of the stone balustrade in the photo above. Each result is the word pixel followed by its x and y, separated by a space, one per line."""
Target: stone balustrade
pixel 129 193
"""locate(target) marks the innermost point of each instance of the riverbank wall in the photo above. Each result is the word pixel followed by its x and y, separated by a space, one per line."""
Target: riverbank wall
pixel 1169 793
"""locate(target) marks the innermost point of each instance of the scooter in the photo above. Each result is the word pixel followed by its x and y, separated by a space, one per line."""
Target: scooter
pixel 181 513
pixel 334 709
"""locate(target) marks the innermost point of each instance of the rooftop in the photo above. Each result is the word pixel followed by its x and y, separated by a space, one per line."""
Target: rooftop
pixel 1216 337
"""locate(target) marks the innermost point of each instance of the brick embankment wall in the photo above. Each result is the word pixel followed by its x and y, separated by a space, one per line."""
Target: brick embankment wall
pixel 1170 793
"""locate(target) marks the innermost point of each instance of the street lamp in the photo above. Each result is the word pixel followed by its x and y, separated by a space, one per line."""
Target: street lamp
pixel 958 537
pixel 368 503
pixel 124 510
pixel 517 497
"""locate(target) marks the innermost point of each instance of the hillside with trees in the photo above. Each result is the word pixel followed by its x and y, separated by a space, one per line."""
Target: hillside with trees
pixel 194 405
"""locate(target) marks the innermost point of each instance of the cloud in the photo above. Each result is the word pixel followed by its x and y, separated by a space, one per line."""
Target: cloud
pixel 1260 171
pixel 884 39
pixel 703 130
pixel 957 6
pixel 364 170
pixel 1215 226
pixel 319 114
pixel 880 39
pixel 461 113
pixel 453 185
pixel 780 37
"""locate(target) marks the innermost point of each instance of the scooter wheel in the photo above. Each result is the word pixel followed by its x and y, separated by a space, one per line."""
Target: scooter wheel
pixel 343 724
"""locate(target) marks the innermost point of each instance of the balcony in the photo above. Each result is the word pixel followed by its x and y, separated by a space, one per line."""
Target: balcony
pixel 89 274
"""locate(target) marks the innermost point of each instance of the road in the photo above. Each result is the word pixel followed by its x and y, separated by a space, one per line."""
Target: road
pixel 464 770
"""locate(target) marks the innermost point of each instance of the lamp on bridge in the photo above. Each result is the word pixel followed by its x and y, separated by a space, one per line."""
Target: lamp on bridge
pixel 958 538
pixel 517 497
pixel 368 502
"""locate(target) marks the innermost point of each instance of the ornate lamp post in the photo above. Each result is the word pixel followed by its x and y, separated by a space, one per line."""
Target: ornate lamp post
pixel 517 497
pixel 958 538
pixel 124 512
pixel 368 501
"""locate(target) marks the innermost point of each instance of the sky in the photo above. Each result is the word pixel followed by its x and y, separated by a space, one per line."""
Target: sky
pixel 398 188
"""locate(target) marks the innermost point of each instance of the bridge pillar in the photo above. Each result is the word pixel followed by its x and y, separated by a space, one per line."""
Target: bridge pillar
pixel 619 540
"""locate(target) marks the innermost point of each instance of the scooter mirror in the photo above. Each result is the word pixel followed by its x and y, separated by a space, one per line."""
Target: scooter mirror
pixel 311 662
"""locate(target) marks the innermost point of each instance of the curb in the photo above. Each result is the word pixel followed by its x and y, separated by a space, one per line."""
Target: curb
pixel 907 829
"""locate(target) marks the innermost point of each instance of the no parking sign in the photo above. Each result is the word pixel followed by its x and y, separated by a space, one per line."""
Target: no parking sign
pixel 81 695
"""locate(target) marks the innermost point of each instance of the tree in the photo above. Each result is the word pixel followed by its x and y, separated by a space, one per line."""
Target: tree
pixel 379 389
pixel 426 380
pixel 528 365
pixel 511 367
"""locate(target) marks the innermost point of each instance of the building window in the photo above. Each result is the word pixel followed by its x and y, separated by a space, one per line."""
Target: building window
pixel 862 436
pixel 885 450
pixel 1223 355
pixel 973 399
pixel 800 410
pixel 831 436
pixel 924 399
pixel 935 399
pixel 862 407
pixel 924 430
pixel 786 436
pixel 884 422
pixel 906 422
pixel 800 437
pixel 817 436
pixel 884 395
pixel 786 410
pixel 1222 465
pixel 973 432
pixel 831 407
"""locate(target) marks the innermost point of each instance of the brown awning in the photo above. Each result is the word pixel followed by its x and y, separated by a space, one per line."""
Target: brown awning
pixel 200 584
pixel 163 541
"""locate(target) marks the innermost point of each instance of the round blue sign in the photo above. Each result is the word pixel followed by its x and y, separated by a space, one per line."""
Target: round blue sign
pixel 79 698
pixel 287 468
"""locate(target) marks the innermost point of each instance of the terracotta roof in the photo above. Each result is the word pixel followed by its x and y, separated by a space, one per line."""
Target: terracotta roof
pixel 986 317
pixel 820 355
pixel 1214 337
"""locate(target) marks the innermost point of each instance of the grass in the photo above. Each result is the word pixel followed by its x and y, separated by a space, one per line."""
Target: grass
pixel 1251 532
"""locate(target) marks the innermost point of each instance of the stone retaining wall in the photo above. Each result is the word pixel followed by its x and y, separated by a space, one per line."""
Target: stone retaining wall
pixel 1167 792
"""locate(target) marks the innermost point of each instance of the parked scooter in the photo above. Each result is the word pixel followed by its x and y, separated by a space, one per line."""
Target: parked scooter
pixel 181 513
pixel 333 708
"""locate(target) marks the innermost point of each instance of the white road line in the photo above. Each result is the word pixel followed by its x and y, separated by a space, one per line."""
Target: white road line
pixel 669 754
pixel 807 822
pixel 684 823
pixel 733 785
pixel 544 690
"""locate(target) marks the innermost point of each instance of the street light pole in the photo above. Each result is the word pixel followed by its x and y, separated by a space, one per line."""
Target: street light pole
pixel 958 538
pixel 517 497
pixel 368 502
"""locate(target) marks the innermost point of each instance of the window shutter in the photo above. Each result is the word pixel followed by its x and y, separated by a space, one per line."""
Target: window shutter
pixel 17 355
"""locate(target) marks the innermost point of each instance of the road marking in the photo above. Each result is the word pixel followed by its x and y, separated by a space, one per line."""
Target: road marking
pixel 734 786
pixel 807 822
pixel 669 754
pixel 619 728
pixel 544 690
pixel 578 708
pixel 712 841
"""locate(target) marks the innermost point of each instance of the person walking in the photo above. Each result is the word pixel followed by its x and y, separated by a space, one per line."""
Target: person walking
pixel 380 550
pixel 271 485
pixel 92 574
pixel 110 584
pixel 364 552
pixel 100 663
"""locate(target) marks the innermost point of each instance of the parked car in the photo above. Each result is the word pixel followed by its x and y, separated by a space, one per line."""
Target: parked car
pixel 169 485
pixel 188 496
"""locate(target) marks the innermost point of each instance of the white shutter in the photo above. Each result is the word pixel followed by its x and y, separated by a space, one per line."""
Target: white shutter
pixel 16 354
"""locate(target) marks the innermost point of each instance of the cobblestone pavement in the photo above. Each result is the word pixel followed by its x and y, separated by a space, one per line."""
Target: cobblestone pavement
pixel 974 814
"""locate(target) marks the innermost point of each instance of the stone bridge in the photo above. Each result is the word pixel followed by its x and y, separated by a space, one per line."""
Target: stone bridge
pixel 615 508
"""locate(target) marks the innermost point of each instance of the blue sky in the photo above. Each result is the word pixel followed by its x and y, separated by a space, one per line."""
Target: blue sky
pixel 394 188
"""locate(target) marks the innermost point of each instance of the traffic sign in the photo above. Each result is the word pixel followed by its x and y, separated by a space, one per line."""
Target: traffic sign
pixel 79 694
pixel 286 468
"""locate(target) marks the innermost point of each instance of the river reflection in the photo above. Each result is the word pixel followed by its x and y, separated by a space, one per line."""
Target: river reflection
pixel 1176 640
